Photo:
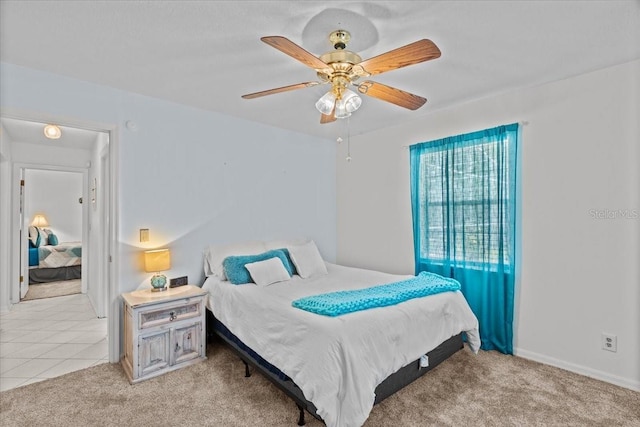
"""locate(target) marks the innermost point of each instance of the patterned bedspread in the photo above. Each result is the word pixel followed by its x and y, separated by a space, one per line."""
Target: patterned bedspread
pixel 61 255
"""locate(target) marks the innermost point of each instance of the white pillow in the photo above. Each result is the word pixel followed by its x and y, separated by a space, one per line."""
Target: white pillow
pixel 215 254
pixel 34 232
pixel 307 260
pixel 268 271
pixel 279 244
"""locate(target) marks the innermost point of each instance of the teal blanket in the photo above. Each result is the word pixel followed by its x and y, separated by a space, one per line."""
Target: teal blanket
pixel 342 302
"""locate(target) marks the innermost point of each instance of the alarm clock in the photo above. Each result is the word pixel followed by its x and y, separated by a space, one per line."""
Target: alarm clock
pixel 178 281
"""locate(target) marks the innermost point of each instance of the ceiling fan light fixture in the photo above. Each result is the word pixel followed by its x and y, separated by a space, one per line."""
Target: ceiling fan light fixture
pixel 52 132
pixel 347 104
pixel 326 102
pixel 351 100
pixel 341 110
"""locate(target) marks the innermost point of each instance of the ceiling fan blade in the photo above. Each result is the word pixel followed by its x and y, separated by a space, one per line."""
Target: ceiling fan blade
pixel 279 89
pixel 327 118
pixel 290 48
pixel 392 95
pixel 414 53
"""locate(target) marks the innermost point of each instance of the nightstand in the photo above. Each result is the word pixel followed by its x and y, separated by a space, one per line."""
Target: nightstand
pixel 163 331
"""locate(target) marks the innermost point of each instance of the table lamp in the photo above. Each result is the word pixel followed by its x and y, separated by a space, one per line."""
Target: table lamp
pixel 156 261
pixel 40 221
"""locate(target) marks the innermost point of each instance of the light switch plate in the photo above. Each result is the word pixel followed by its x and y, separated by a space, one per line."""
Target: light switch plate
pixel 144 235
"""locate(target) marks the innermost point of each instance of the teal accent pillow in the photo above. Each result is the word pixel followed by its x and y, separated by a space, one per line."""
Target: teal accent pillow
pixel 289 265
pixel 237 273
pixel 53 239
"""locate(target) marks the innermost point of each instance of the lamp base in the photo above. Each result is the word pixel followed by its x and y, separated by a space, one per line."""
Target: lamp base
pixel 158 283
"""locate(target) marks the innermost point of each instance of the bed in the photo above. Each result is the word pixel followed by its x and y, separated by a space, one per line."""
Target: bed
pixel 335 368
pixel 50 260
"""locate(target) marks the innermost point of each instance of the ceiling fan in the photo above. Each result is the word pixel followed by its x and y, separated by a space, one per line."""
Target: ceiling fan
pixel 341 68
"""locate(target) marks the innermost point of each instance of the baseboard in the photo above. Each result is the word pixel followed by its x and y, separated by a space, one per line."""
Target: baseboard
pixel 578 369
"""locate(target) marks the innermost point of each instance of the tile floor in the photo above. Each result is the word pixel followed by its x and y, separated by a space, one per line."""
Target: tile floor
pixel 48 337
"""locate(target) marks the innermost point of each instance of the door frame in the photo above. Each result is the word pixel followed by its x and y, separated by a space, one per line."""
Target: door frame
pixel 109 259
pixel 19 170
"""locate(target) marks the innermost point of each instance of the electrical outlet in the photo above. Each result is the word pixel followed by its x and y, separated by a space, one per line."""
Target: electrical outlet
pixel 609 342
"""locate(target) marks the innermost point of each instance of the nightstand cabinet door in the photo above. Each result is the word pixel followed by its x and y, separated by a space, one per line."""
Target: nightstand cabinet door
pixel 153 352
pixel 186 343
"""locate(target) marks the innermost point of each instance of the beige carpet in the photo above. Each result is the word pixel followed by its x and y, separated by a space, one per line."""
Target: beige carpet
pixel 489 389
pixel 53 289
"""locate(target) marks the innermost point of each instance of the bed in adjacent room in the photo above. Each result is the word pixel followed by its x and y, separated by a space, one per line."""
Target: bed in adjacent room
pixel 51 260
pixel 335 365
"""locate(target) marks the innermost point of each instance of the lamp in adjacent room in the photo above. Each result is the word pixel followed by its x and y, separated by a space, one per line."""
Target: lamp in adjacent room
pixel 40 221
pixel 156 261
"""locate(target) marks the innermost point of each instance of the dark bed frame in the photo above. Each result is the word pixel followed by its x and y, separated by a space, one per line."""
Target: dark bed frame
pixel 45 275
pixel 396 381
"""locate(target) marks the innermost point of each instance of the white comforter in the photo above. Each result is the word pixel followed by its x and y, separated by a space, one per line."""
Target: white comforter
pixel 339 361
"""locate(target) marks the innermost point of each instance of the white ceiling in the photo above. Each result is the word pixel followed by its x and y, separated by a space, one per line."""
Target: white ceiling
pixel 208 53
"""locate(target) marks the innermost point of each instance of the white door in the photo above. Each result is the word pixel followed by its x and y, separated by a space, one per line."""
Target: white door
pixel 103 206
pixel 24 236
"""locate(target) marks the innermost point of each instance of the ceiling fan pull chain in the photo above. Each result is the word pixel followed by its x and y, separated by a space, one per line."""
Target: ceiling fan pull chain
pixel 348 139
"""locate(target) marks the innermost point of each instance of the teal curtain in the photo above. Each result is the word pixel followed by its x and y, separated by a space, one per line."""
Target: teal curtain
pixel 463 194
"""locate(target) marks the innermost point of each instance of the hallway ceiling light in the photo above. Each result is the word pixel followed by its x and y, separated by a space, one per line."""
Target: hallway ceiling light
pixel 52 132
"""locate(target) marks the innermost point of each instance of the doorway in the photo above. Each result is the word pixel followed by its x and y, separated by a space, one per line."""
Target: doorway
pixel 53 248
pixel 24 148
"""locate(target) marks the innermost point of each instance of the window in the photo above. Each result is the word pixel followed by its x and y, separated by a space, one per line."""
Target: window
pixel 463 200
pixel 461 196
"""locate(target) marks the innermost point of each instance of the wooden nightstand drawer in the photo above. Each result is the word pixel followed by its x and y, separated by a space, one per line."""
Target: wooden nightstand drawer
pixel 170 313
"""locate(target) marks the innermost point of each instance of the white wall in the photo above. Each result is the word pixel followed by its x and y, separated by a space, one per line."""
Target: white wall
pixel 5 214
pixel 26 153
pixel 579 275
pixel 192 177
pixel 55 194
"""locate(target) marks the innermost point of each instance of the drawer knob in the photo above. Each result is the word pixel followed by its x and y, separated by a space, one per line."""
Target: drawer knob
pixel 172 316
pixel 177 348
